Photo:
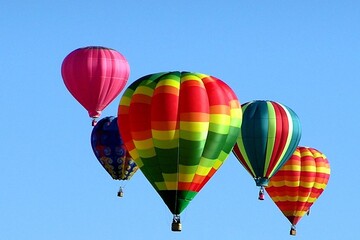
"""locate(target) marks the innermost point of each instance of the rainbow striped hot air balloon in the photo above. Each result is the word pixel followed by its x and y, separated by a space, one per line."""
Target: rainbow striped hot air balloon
pixel 270 133
pixel 299 183
pixel 179 128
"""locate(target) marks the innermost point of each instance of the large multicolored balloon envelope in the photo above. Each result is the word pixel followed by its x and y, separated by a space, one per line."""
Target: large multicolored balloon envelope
pixel 110 150
pixel 299 183
pixel 270 133
pixel 179 127
pixel 95 76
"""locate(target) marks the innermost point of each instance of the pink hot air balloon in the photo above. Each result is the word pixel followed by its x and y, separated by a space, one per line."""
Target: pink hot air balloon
pixel 95 76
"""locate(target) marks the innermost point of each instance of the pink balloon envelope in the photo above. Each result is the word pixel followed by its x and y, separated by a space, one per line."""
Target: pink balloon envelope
pixel 95 76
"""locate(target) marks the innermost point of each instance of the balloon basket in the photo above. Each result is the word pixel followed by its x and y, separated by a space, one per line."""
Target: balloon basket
pixel 261 197
pixel 261 194
pixel 120 193
pixel 176 227
pixel 293 231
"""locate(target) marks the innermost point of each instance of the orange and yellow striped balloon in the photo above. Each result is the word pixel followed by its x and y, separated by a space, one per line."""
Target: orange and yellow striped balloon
pixel 299 183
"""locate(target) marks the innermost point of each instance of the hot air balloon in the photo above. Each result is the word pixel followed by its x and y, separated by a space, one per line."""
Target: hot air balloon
pixel 95 76
pixel 179 127
pixel 299 183
pixel 111 152
pixel 270 133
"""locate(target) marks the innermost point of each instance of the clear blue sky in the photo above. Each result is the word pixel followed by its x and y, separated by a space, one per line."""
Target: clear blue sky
pixel 304 54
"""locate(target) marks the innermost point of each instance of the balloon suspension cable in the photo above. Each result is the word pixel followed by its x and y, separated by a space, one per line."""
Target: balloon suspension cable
pixel 262 193
pixel 176 224
pixel 293 230
pixel 120 192
pixel 94 122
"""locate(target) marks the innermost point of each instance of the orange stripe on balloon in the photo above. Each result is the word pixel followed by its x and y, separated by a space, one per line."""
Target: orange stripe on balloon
pixel 194 117
pixel 159 125
pixel 166 89
pixel 141 135
pixel 184 186
pixel 140 98
pixel 220 109
pixel 198 178
pixel 124 109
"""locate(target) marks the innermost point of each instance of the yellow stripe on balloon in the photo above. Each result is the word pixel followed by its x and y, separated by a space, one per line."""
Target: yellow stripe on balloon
pixel 135 156
pixel 298 213
pixel 320 185
pixel 323 170
pixel 308 168
pixel 218 163
pixel 319 155
pixel 288 167
pixel 191 77
pixel 203 171
pixel 186 177
pixel 305 199
pixel 236 113
pixel 285 198
pixel 194 126
pixel 222 119
pixel 144 90
pixel 283 183
pixel 171 185
pixel 306 184
pixel 133 153
pixel 168 82
pixel 125 101
pixel 307 153
pixel 144 144
pixel 165 135
pixel 311 200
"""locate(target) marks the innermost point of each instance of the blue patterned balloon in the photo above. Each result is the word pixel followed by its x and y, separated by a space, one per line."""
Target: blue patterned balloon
pixel 110 150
